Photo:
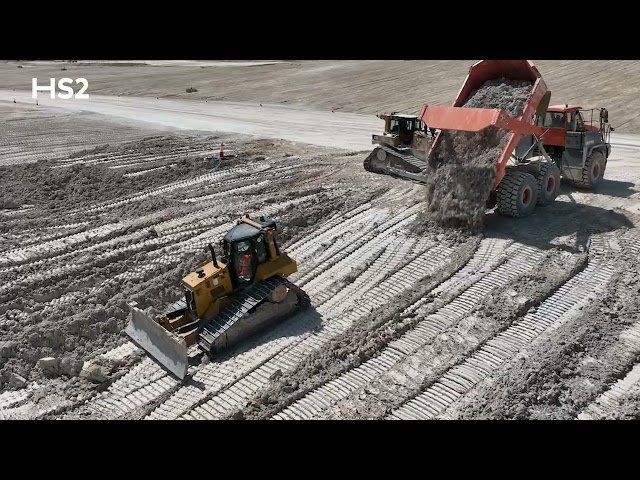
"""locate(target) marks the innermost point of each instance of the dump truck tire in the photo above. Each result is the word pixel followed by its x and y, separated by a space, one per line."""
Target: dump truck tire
pixel 517 194
pixel 548 179
pixel 593 171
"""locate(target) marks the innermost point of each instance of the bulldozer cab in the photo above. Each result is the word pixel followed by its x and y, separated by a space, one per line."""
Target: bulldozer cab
pixel 246 246
pixel 403 126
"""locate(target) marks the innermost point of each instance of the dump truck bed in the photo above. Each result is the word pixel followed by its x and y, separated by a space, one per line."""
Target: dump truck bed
pixel 404 164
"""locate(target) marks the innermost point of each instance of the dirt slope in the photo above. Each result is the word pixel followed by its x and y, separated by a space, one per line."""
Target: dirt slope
pixel 355 86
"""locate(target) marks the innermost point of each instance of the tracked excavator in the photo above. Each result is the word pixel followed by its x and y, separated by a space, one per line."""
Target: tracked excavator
pixel 536 153
pixel 225 300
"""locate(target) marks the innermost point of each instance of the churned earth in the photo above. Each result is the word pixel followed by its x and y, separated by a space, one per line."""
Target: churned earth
pixel 106 203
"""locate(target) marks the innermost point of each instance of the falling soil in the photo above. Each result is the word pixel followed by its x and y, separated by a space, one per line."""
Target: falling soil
pixel 465 162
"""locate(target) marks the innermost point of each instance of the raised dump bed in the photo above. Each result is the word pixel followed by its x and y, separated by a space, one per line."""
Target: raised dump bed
pixel 460 117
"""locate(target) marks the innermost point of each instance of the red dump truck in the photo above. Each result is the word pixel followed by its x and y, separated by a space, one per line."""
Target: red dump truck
pixel 536 154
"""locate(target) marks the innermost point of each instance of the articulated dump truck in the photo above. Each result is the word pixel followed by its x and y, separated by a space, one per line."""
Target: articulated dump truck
pixel 535 154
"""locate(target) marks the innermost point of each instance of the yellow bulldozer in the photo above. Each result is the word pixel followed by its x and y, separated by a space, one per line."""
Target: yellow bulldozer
pixel 403 146
pixel 225 300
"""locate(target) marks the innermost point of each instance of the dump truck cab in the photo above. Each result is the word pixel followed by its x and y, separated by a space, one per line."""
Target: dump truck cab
pixel 578 141
pixel 568 124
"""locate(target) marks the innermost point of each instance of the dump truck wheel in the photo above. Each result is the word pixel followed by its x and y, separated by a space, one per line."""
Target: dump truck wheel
pixel 278 295
pixel 548 183
pixel 517 194
pixel 593 171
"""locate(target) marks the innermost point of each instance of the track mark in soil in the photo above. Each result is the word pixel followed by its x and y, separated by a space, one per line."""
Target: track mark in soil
pixel 552 313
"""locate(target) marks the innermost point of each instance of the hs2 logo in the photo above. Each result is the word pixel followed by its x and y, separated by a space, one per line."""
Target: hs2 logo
pixel 63 85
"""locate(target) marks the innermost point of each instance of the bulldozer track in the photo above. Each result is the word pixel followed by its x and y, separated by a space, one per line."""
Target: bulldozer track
pixel 345 224
pixel 353 251
pixel 606 404
pixel 337 266
pixel 156 257
pixel 394 224
pixel 181 184
pixel 552 313
pixel 386 262
pixel 236 396
pixel 192 243
pixel 423 333
pixel 217 376
pixel 490 252
pixel 241 305
pixel 41 138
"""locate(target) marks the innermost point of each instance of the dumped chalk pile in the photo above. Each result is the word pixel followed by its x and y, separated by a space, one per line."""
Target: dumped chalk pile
pixel 458 190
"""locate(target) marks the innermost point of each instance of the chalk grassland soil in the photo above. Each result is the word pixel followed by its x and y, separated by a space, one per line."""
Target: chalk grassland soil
pixel 87 233
pixel 354 86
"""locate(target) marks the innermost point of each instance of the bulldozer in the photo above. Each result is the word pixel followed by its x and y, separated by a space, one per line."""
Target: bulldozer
pixel 402 147
pixel 536 153
pixel 225 300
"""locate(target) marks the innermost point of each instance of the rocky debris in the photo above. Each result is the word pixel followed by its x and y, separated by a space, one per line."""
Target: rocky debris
pixel 238 415
pixel 298 222
pixel 17 382
pixel 9 203
pixel 8 349
pixel 71 366
pixel 459 188
pixel 49 365
pixel 96 373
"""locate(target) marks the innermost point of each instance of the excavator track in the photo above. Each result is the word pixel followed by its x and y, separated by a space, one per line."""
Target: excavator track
pixel 397 163
pixel 233 324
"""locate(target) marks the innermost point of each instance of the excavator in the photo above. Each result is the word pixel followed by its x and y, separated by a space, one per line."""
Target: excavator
pixel 537 153
pixel 225 300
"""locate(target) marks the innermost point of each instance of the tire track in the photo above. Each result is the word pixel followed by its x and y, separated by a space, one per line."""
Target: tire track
pixel 186 397
pixel 393 225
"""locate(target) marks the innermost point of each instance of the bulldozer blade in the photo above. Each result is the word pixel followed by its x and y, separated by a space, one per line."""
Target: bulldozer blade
pixel 168 350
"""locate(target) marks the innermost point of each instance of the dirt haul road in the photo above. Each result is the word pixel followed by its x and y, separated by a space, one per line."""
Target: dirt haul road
pixel 532 319
pixel 297 124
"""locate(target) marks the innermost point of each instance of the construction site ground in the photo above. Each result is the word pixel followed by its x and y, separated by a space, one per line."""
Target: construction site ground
pixel 111 200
